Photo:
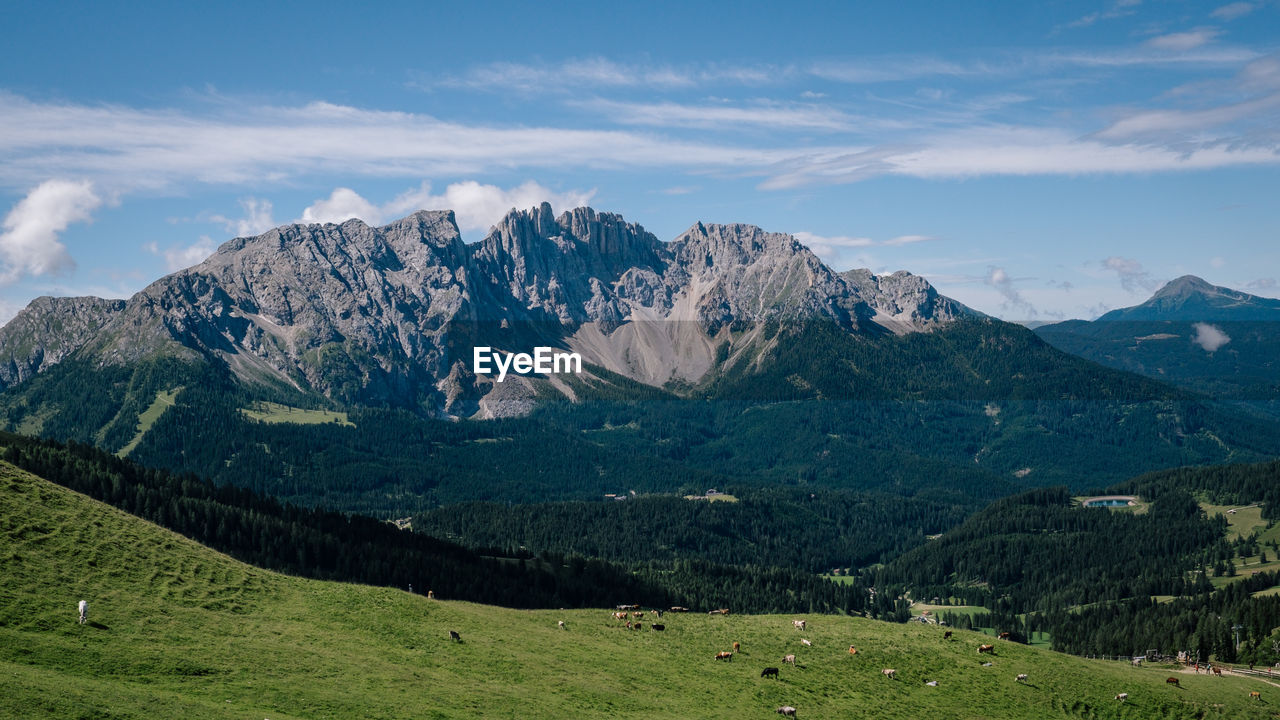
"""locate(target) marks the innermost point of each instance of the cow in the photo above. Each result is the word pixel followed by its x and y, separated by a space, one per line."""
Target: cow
pixel 932 683
pixel 789 659
pixel 1122 697
pixel 454 636
pixel 677 608
pixel 431 595
pixel 853 650
pixel 1173 681
pixel 769 672
pixel 1136 662
pixel 799 624
pixel 805 642
pixel 637 615
pixel 1022 677
pixel 721 611
pixel 1217 671
pixel 659 627
pixel 727 656
pixel 736 647
pixel 658 613
pixel 1255 694
pixel 83 606
pixel 987 649
pixel 619 616
pixel 786 710
pixel 946 635
pixel 561 624
pixel 889 673
pixel 1004 636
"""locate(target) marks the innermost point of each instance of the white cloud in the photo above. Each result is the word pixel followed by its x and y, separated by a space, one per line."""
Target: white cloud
pixel 1209 337
pixel 342 205
pixel 1183 41
pixel 602 73
pixel 999 279
pixel 178 257
pixel 476 206
pixel 257 218
pixel 29 244
pixel 1234 10
pixel 670 114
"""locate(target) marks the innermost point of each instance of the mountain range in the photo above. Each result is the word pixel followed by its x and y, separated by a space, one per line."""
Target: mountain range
pixel 330 364
pixel 1210 339
pixel 387 315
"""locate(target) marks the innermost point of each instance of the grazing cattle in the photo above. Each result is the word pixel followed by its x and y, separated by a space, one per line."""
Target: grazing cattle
pixel 1217 671
pixel 1173 681
pixel 637 626
pixel 721 611
pixel 1004 636
pixel 628 624
pixel 853 650
pixel 637 615
pixel 987 649
pixel 789 659
pixel 769 672
pixel 1136 662
pixel 799 624
pixel 786 710
pixel 619 616
pixel 83 606
pixel 724 656
pixel 736 647
pixel 431 595
pixel 1022 677
pixel 889 673
pixel 1122 697
pixel 805 642
pixel 932 683
pixel 659 627
pixel 986 664
pixel 454 636
pixel 658 613
pixel 677 608
pixel 946 635
pixel 1255 694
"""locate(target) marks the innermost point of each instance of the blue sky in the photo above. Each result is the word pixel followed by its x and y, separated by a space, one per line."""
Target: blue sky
pixel 1034 160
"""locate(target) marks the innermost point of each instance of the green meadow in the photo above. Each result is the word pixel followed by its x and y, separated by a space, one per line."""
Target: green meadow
pixel 179 631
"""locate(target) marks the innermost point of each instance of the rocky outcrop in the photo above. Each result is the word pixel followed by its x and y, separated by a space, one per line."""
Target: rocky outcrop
pixel 387 315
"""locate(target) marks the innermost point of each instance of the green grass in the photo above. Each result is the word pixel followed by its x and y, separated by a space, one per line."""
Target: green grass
pixel 164 401
pixel 179 631
pixel 270 412
pixel 1242 522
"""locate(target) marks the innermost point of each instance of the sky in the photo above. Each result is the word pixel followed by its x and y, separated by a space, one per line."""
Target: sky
pixel 1036 161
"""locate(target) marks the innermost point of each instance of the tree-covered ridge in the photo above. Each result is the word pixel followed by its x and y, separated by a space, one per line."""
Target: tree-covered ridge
pixel 328 545
pixel 785 527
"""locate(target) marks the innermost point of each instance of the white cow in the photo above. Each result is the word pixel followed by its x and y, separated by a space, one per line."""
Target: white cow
pixel 798 623
pixel 1022 677
pixel 84 611
pixel 805 642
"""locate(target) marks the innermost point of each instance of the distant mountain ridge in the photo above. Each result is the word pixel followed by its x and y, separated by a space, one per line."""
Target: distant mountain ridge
pixel 386 315
pixel 1206 338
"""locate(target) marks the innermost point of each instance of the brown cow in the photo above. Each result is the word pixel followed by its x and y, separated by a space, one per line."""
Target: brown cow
pixel 1004 636
pixel 1217 671
pixel 637 615
pixel 619 616
pixel 736 647
pixel 724 656
pixel 1173 681
pixel 987 649
pixel 1255 694
pixel 853 650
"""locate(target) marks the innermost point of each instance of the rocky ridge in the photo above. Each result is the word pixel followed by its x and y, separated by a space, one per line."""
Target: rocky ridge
pixel 387 315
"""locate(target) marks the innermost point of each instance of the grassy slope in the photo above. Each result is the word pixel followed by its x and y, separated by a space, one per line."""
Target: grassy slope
pixel 270 412
pixel 180 631
pixel 164 401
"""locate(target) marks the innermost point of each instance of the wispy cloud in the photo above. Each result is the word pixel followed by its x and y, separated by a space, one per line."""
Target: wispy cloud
pixel 179 257
pixel 999 279
pixel 598 72
pixel 257 218
pixel 908 240
pixel 1209 337
pixel 1133 277
pixel 1183 41
pixel 1232 11
pixel 767 114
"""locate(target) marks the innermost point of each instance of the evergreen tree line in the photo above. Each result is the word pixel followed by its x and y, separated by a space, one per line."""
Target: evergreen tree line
pixel 321 544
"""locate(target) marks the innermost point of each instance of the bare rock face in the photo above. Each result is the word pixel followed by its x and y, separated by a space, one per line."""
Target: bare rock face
pixel 387 315
pixel 48 330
